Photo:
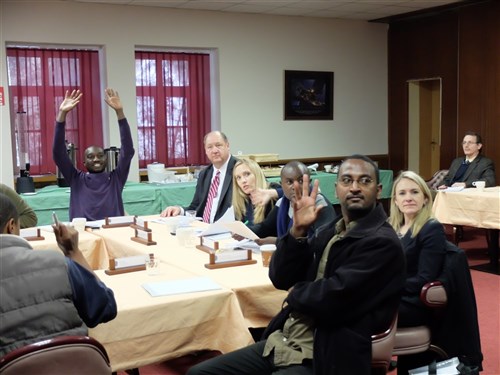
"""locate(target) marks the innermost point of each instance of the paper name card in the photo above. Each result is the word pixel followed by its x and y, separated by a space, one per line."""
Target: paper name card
pixel 30 232
pixel 132 261
pixel 172 287
pixel 95 224
pixel 230 256
pixel 143 234
pixel 219 241
pixel 119 220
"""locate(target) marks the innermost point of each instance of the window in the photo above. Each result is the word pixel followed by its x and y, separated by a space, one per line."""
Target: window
pixel 38 79
pixel 173 107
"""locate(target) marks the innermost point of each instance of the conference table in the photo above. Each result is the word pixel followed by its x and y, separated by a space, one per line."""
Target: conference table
pixel 474 208
pixel 151 198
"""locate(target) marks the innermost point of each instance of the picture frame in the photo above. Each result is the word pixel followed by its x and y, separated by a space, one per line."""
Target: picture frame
pixel 308 95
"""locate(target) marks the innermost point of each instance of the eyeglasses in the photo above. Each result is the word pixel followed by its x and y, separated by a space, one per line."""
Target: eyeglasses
pixel 348 181
pixel 469 143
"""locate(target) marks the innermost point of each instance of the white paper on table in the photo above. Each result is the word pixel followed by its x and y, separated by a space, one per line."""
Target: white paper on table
pixel 218 226
pixel 241 229
pixel 167 288
pixel 248 244
pixel 452 189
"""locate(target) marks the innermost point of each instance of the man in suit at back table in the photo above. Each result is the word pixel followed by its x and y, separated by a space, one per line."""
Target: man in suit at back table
pixel 474 167
pixel 213 195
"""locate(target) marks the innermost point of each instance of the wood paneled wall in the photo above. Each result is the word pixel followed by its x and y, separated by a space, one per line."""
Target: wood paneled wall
pixel 462 46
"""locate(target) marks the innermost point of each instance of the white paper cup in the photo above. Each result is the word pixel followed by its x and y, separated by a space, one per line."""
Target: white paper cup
pixel 79 223
pixel 267 252
pixel 480 185
pixel 184 235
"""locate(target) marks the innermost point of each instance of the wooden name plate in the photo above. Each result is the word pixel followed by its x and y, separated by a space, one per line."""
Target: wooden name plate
pixel 31 234
pixel 230 258
pixel 143 237
pixel 118 221
pixel 140 224
pixel 217 242
pixel 126 264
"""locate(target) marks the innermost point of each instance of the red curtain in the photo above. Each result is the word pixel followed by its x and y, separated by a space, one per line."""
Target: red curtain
pixel 38 79
pixel 173 107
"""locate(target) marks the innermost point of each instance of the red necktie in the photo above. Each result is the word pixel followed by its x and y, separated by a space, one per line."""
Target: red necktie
pixel 212 193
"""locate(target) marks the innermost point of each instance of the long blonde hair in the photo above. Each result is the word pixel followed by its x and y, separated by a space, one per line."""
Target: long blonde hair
pixel 240 198
pixel 396 219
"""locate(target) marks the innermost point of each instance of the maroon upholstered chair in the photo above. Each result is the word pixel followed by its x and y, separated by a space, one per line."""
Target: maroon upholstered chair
pixel 382 347
pixel 76 355
pixel 413 340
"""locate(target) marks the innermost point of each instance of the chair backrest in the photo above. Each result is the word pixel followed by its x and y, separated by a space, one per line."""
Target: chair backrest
pixel 382 346
pixel 437 179
pixel 76 355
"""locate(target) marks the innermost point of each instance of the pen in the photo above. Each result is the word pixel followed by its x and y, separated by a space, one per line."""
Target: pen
pixel 246 222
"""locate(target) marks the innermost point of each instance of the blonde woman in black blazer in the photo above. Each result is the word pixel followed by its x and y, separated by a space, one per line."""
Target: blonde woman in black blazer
pixel 423 240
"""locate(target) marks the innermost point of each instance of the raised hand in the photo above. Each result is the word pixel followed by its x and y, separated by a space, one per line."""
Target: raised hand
pixel 70 101
pixel 113 100
pixel 261 197
pixel 67 238
pixel 305 211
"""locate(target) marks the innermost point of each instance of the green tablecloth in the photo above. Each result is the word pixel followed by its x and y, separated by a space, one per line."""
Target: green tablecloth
pixel 149 199
pixel 138 199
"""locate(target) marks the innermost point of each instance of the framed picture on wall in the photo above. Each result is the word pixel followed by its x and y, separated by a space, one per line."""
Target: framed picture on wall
pixel 308 95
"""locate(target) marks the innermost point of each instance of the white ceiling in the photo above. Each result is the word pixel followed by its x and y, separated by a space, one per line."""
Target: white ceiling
pixel 345 9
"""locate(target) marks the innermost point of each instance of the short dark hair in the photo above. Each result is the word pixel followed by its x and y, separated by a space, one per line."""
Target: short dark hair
pixel 296 166
pixel 7 211
pixel 479 139
pixel 368 160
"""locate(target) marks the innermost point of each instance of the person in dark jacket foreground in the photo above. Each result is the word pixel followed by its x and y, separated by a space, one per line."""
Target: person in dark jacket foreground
pixel 344 285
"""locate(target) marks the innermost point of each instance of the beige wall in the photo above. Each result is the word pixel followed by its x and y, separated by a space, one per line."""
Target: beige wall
pixel 253 51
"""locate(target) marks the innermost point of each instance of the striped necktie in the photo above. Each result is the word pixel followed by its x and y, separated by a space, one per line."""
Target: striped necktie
pixel 212 193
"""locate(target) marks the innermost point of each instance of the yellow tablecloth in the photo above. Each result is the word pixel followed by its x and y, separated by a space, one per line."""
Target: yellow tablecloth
pixel 93 247
pixel 469 207
pixel 153 329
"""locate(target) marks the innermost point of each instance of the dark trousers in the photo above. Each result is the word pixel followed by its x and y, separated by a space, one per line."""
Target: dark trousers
pixel 410 315
pixel 246 361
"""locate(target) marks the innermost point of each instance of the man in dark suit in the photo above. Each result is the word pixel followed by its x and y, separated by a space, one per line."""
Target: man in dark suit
pixel 214 182
pixel 474 167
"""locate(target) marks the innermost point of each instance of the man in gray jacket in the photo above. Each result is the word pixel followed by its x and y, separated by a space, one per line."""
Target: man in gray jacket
pixel 45 293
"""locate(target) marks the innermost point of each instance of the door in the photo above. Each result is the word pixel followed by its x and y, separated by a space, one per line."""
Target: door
pixel 424 121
